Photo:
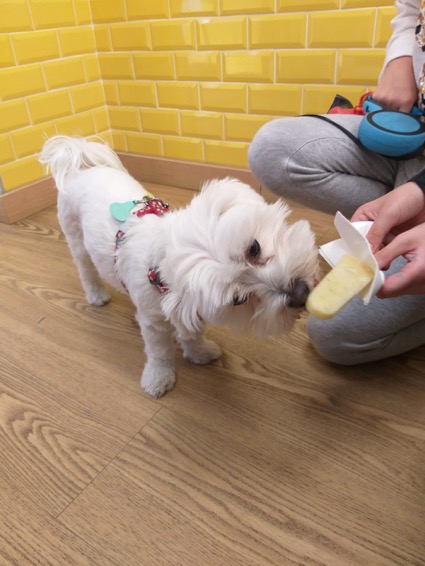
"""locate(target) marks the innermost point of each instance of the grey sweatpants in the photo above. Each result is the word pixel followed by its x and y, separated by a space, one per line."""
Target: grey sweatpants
pixel 312 162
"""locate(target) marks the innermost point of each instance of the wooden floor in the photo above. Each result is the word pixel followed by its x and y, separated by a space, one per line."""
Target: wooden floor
pixel 269 456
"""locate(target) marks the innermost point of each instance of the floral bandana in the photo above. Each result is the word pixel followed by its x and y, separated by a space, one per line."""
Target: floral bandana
pixel 149 205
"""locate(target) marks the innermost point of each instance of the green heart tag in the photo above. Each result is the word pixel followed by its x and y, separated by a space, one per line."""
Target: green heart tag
pixel 120 210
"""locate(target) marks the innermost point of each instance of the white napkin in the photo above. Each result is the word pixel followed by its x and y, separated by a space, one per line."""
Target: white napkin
pixel 353 241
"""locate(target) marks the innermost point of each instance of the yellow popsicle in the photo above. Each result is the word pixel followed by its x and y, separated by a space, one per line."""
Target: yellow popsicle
pixel 348 278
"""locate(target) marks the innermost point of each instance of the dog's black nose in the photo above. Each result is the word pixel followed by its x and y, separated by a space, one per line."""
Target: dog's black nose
pixel 298 292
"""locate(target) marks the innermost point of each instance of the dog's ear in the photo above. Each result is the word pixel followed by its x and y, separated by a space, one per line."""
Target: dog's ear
pixel 222 194
pixel 181 311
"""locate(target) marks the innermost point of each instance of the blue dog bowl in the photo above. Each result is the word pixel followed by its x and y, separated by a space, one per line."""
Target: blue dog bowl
pixel 392 133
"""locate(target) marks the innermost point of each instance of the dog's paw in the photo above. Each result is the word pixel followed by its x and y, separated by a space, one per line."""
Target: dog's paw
pixel 201 352
pixel 98 297
pixel 157 379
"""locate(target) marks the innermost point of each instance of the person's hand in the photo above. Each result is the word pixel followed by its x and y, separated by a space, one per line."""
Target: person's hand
pixel 392 214
pixel 410 280
pixel 398 229
pixel 397 88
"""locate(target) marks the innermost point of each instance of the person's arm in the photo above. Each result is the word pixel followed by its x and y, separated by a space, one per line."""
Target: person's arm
pixel 410 280
pixel 398 217
pixel 394 212
pixel 398 229
pixel 397 86
pixel 402 40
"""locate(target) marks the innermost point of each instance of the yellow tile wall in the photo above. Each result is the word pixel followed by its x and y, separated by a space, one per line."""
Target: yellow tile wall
pixel 176 79
pixel 50 82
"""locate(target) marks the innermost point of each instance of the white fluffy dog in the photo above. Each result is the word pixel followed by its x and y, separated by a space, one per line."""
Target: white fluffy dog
pixel 228 258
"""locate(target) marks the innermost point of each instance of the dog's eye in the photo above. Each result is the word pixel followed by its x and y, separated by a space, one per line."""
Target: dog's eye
pixel 254 250
pixel 239 301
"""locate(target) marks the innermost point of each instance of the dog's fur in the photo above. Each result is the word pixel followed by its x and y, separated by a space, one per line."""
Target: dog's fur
pixel 228 258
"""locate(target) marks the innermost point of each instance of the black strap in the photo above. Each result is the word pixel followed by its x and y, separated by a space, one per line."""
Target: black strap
pixel 346 132
pixel 358 142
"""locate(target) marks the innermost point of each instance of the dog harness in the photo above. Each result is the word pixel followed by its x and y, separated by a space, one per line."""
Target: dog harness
pixel 139 208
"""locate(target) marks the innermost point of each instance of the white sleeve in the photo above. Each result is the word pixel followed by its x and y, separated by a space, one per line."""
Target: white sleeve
pixel 402 41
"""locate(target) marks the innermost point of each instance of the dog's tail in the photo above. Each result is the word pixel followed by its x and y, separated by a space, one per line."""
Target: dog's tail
pixel 65 156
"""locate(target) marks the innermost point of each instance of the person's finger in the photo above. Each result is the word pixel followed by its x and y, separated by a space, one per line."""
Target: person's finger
pixel 389 238
pixel 409 280
pixel 379 231
pixel 361 214
pixel 405 108
pixel 397 247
